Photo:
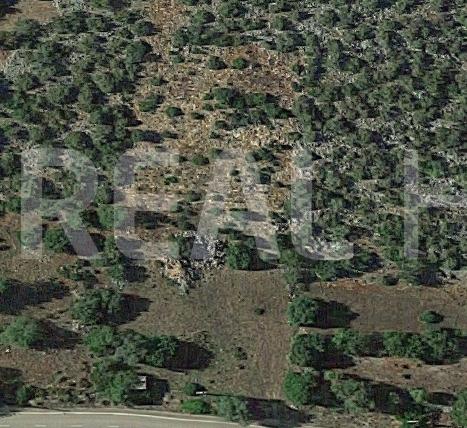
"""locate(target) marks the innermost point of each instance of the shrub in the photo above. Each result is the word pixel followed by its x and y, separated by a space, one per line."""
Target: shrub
pixel 432 347
pixel 280 23
pixel 56 240
pixel 231 8
pixel 22 331
pixel 142 28
pixel 239 256
pixel 160 349
pixel 201 17
pixel 173 111
pixel 196 407
pixel 299 387
pixel 102 340
pixel 200 160
pixel 215 63
pixel 157 81
pixel 191 388
pixel 303 311
pixel 113 380
pixel 353 394
pixel 78 140
pixel 110 216
pixel 239 63
pixel 24 394
pixel 308 350
pixel 131 348
pixel 431 317
pixel 189 2
pixel 351 342
pixel 136 51
pixel 61 94
pixel 150 104
pixel 459 410
pixel 4 286
pixel 97 306
pixel 233 409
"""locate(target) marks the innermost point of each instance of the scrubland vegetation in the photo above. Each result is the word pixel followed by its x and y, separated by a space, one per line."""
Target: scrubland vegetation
pixel 372 122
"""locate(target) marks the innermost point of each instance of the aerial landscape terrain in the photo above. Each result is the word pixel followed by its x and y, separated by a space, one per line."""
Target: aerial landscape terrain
pixel 233 211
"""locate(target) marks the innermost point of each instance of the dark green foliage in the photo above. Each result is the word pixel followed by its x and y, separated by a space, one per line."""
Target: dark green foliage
pixel 113 381
pixel 308 350
pixel 215 63
pixel 239 255
pixel 280 23
pixel 231 8
pixel 431 317
pixel 130 347
pixel 78 140
pixel 24 394
pixel 233 409
pixel 240 63
pixel 354 395
pixel 195 407
pixel 55 239
pixel 114 5
pixel 351 342
pixel 459 410
pixel 200 160
pixel 189 2
pixel 110 216
pixel 4 286
pixel 173 111
pixel 98 306
pixel 160 349
pixel 22 331
pixel 299 387
pixel 191 388
pixel 303 311
pixel 142 28
pixel 151 103
pixel 61 94
pixel 434 346
pixel 101 340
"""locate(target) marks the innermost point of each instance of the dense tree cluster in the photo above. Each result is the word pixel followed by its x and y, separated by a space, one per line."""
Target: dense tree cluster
pixel 75 92
pixel 130 347
pixel 96 306
pixel 376 90
pixel 433 346
pixel 299 387
pixel 22 331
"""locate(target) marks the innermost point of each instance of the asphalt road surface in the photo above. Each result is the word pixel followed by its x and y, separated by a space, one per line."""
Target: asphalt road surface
pixel 107 419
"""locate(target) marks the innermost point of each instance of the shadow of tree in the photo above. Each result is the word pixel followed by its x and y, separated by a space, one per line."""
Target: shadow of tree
pixel 154 393
pixel 19 295
pixel 6 7
pixel 10 381
pixel 56 337
pixel 190 356
pixel 441 398
pixel 275 414
pixel 135 273
pixel 132 307
pixel 334 314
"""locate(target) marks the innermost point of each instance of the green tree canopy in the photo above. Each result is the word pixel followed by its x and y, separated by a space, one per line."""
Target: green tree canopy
pixel 459 410
pixel 299 387
pixel 303 311
pixel 22 331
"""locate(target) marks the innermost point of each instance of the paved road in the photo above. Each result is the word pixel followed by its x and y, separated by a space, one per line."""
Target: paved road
pixel 107 419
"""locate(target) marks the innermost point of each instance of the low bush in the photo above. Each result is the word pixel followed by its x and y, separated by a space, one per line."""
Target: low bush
pixel 196 407
pixel 299 387
pixel 22 331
